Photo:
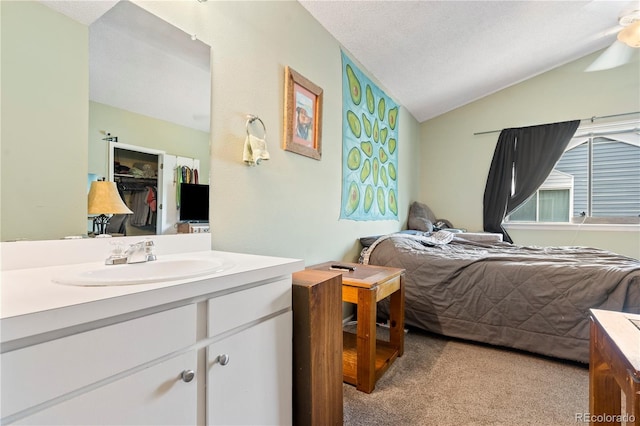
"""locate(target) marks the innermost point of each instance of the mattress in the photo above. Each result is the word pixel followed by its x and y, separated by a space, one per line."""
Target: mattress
pixel 535 299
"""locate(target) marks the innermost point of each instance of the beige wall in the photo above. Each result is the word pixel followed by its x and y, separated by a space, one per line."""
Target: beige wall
pixel 455 163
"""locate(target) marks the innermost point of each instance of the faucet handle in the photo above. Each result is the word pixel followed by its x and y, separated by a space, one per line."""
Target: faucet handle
pixel 139 245
pixel 117 256
pixel 148 250
pixel 117 249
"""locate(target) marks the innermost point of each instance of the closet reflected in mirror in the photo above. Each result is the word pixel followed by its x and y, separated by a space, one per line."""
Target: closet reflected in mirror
pixel 150 183
pixel 150 97
pixel 62 94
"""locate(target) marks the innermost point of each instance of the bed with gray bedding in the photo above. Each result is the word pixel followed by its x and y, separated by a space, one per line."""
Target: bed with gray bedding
pixel 535 299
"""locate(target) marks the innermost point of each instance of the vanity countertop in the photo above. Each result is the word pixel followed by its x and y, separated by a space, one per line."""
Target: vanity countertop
pixel 31 303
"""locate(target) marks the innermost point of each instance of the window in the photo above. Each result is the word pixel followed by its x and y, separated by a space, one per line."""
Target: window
pixel 551 203
pixel 597 180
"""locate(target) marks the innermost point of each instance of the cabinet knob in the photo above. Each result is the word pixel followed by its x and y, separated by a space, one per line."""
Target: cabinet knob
pixel 187 375
pixel 223 359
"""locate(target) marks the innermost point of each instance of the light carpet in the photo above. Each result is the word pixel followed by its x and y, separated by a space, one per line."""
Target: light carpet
pixel 443 381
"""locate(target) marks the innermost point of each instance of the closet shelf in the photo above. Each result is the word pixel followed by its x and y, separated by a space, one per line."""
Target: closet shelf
pixel 123 177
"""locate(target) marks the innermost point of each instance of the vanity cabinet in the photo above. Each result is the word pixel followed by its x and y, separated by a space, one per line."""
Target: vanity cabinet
pixel 222 355
pixel 157 395
pixel 249 376
pixel 51 373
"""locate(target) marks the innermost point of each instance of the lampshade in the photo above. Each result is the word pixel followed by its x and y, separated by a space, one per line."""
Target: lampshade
pixel 630 35
pixel 104 199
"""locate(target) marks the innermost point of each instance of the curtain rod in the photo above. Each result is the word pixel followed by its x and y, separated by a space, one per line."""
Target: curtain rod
pixel 610 132
pixel 591 119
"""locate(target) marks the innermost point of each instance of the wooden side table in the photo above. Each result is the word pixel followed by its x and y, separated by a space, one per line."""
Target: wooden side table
pixel 317 348
pixel 614 365
pixel 365 358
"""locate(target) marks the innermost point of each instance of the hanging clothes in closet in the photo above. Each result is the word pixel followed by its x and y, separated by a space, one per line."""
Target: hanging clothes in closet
pixel 144 206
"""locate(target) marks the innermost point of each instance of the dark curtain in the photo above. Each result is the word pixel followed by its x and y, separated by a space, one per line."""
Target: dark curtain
pixel 523 159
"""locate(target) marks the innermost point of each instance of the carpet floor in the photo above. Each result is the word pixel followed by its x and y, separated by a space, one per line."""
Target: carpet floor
pixel 443 381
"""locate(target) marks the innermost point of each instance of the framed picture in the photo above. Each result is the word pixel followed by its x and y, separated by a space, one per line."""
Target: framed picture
pixel 302 115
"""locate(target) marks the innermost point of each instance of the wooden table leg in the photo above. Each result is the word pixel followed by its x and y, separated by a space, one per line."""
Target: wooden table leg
pixel 366 368
pixel 633 402
pixel 604 392
pixel 396 318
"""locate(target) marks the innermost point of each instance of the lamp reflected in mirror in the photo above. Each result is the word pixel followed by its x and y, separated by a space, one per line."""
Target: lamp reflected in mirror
pixel 104 200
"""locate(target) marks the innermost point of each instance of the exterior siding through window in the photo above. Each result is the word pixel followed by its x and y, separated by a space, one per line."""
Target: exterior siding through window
pixel 616 178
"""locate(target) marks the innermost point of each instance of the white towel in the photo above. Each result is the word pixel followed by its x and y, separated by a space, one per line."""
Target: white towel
pixel 247 154
pixel 255 150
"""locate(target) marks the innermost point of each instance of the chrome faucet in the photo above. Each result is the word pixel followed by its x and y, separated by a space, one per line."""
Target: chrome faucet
pixel 140 252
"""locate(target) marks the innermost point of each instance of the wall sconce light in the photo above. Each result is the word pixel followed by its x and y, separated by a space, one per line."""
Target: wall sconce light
pixel 104 200
pixel 630 35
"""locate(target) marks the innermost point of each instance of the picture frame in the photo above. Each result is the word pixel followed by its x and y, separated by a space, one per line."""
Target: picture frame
pixel 302 115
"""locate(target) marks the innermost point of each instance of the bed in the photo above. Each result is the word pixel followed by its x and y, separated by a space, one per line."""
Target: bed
pixel 535 299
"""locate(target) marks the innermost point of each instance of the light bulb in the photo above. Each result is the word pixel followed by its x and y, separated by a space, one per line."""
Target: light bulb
pixel 630 35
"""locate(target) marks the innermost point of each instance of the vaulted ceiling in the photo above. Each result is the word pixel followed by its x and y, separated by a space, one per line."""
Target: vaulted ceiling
pixel 435 56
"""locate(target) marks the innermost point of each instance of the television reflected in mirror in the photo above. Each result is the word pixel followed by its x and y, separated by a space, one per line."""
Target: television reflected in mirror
pixel 194 203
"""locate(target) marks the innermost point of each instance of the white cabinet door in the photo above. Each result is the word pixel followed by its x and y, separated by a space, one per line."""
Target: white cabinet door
pixel 43 372
pixel 254 386
pixel 157 395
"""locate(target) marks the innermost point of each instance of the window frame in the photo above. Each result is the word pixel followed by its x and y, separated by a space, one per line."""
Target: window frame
pixel 537 210
pixel 611 223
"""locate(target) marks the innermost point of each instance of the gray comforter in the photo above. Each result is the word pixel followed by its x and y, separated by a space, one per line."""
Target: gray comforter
pixel 531 298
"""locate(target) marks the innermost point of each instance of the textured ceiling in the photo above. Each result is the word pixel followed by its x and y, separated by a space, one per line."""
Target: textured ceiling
pixel 142 64
pixel 435 56
pixel 85 11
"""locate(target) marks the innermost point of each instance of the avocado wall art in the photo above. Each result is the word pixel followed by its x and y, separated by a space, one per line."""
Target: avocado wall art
pixel 369 148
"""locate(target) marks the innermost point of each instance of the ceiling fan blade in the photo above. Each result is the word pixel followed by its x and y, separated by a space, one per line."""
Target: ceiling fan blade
pixel 614 56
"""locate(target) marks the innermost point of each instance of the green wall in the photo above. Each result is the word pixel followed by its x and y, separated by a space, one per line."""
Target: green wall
pixel 288 206
pixel 44 117
pixel 455 163
pixel 147 132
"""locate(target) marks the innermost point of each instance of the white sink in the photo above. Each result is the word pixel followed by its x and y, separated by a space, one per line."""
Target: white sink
pixel 141 273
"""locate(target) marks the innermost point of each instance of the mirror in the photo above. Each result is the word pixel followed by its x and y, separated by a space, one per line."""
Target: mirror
pixel 142 80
